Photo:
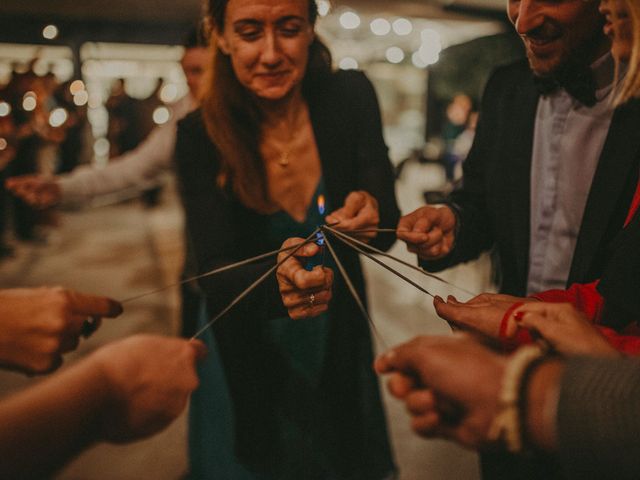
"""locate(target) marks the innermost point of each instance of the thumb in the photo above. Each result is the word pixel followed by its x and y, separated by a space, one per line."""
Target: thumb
pixel 399 359
pixel 200 349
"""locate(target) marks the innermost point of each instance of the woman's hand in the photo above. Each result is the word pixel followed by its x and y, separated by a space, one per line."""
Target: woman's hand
pixel 304 293
pixel 482 313
pixel 564 327
pixel 149 380
pixel 38 325
pixel 360 212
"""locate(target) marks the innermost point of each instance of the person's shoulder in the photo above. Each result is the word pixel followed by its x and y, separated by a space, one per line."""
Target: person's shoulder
pixel 346 87
pixel 192 120
pixel 192 125
pixel 349 82
pixel 193 136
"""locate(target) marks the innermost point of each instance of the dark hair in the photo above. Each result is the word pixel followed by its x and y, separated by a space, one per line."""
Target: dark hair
pixel 233 119
pixel 196 37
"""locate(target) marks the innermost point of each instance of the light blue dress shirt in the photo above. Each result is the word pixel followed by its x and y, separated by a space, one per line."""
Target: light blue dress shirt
pixel 567 144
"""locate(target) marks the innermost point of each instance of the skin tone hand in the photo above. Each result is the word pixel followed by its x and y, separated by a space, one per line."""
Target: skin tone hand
pixel 36 190
pixel 150 379
pixel 428 232
pixel 38 325
pixel 360 212
pixel 435 376
pixel 482 313
pixel 565 328
pixel 124 391
pixel 297 285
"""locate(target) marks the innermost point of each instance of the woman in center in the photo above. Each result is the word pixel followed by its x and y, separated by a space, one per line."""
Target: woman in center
pixel 281 145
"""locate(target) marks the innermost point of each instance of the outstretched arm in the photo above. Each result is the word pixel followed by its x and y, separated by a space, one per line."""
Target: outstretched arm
pixel 124 391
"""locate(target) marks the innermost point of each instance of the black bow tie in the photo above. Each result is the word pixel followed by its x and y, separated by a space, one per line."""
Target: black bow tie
pixel 578 82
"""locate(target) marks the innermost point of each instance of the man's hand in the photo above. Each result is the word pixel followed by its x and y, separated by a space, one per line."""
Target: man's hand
pixel 148 382
pixel 428 232
pixel 38 325
pixel 450 386
pixel 304 293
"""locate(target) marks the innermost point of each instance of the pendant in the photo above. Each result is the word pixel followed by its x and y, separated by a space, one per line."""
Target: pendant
pixel 284 159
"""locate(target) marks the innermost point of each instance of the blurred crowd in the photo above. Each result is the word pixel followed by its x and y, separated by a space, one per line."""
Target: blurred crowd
pixel 42 127
pixel 44 130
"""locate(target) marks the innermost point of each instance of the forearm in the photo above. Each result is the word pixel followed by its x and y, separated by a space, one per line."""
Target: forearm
pixel 46 425
pixel 137 170
pixel 541 405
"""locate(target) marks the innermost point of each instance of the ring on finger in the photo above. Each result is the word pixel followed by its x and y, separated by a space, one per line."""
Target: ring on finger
pixel 312 300
pixel 89 326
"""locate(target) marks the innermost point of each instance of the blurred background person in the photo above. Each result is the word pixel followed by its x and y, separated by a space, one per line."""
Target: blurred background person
pixel 138 170
pixel 457 118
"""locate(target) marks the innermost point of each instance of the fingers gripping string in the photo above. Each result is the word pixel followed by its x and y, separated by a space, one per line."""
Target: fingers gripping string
pixel 255 284
pixel 344 239
pixel 391 257
pixel 210 273
pixel 348 240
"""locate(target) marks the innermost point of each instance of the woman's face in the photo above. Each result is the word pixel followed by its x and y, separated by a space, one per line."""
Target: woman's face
pixel 268 42
pixel 618 28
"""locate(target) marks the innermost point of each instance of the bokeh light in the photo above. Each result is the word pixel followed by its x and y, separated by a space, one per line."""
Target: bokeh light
pixel 50 32
pixel 161 115
pixel 348 63
pixel 380 27
pixel 350 20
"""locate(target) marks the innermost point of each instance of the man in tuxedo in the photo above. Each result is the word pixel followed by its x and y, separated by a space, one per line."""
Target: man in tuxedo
pixel 551 174
pixel 550 177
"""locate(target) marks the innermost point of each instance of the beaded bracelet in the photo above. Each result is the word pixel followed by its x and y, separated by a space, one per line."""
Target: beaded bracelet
pixel 507 426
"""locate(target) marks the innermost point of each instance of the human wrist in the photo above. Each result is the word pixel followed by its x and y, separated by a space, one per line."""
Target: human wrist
pixel 105 392
pixel 541 403
pixel 508 425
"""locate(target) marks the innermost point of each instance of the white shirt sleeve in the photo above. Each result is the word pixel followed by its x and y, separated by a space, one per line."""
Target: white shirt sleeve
pixel 137 170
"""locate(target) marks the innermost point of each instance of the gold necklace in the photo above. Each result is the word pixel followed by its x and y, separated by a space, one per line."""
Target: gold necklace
pixel 283 161
pixel 285 152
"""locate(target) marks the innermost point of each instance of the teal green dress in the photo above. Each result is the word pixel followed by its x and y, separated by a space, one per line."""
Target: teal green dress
pixel 303 344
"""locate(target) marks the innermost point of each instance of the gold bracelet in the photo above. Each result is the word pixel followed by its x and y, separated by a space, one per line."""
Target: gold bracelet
pixel 507 425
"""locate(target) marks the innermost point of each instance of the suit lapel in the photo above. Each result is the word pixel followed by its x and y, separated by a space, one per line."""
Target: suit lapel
pixel 616 169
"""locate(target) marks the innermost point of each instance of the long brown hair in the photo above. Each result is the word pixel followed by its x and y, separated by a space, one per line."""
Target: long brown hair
pixel 630 87
pixel 233 119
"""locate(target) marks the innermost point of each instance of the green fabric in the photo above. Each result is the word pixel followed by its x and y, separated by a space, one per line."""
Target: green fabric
pixel 304 344
pixel 302 341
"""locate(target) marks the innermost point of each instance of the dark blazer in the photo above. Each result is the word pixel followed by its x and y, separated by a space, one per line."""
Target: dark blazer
pixel 346 122
pixel 494 202
pixel 620 282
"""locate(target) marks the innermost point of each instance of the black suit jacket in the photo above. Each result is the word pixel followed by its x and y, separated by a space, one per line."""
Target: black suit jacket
pixel 494 202
pixel 346 122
